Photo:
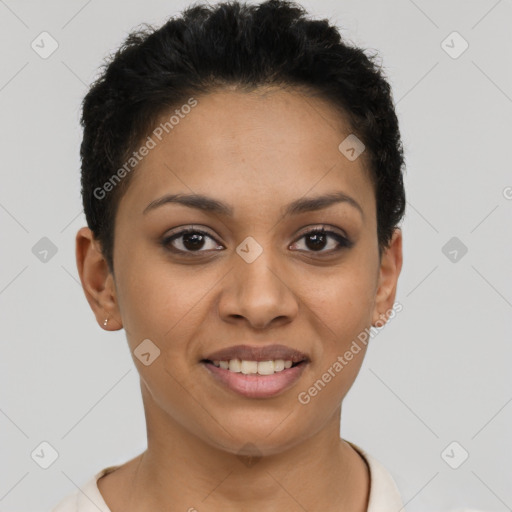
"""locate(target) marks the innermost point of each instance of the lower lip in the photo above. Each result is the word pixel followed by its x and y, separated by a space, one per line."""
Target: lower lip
pixel 255 385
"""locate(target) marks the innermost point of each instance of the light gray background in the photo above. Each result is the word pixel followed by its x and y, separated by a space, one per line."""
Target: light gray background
pixel 439 372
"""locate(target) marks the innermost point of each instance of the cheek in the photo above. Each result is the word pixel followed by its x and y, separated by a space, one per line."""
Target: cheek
pixel 162 306
pixel 342 301
pixel 157 300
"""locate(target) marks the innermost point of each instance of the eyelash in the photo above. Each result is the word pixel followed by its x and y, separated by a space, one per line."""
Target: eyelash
pixel 343 242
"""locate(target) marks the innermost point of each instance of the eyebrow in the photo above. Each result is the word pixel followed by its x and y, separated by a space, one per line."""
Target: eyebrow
pixel 302 205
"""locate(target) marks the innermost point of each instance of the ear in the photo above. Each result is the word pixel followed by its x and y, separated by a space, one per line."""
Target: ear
pixel 97 280
pixel 390 266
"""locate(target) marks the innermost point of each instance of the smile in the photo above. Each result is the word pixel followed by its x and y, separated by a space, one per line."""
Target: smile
pixel 256 379
pixel 249 367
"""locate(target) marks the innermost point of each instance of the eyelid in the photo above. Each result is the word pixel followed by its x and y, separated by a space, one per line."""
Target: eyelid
pixel 187 228
pixel 322 227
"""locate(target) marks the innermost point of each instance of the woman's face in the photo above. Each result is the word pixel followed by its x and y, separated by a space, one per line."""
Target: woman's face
pixel 255 277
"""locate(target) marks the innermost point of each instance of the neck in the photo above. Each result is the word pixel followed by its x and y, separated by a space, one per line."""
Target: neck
pixel 180 471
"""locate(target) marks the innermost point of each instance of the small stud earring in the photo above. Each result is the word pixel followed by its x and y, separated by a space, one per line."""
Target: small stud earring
pixel 105 322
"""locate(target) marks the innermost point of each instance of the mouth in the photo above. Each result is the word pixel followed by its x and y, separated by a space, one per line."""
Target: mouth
pixel 253 374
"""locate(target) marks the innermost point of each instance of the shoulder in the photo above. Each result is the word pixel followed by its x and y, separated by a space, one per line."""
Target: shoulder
pixel 384 494
pixel 86 498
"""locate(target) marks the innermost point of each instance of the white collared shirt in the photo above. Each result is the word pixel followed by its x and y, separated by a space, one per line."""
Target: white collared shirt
pixel 384 495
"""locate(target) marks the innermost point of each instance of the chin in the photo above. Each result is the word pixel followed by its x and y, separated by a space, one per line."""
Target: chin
pixel 248 439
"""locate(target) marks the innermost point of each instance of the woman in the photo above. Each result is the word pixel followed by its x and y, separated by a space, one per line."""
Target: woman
pixel 242 185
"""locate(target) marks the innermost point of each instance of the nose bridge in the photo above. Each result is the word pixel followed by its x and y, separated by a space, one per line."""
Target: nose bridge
pixel 258 291
pixel 256 267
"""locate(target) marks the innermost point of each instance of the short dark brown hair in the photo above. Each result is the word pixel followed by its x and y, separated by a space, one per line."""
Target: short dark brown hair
pixel 249 46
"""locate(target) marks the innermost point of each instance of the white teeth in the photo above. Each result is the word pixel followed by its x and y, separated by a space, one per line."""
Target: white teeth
pixel 248 367
pixel 253 367
pixel 279 365
pixel 266 367
pixel 234 365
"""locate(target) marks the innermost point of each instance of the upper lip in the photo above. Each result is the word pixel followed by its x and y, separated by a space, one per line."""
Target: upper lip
pixel 258 353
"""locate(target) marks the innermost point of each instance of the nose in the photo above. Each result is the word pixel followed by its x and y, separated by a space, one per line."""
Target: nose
pixel 258 293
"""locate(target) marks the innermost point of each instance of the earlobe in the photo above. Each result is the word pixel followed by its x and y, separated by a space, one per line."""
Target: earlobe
pixel 111 324
pixel 390 267
pixel 97 281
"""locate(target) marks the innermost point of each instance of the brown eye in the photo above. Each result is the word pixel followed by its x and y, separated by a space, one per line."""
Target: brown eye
pixel 189 240
pixel 316 240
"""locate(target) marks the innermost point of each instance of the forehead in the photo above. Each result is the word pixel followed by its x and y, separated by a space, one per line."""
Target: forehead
pixel 239 145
